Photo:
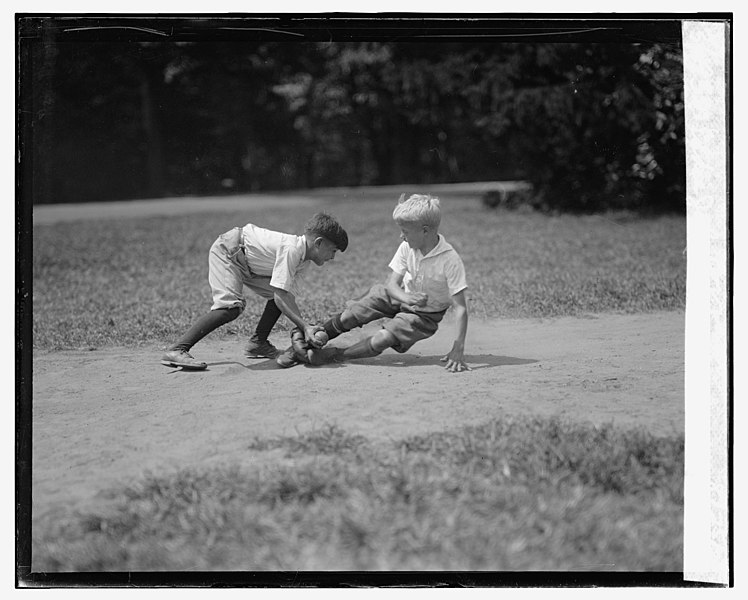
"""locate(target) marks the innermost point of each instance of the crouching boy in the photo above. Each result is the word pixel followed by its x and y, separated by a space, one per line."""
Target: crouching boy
pixel 428 276
pixel 269 263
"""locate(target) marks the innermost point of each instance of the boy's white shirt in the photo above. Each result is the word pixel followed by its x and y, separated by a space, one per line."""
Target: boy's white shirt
pixel 440 274
pixel 277 255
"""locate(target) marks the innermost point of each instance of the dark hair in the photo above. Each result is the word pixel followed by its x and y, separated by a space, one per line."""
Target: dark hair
pixel 326 226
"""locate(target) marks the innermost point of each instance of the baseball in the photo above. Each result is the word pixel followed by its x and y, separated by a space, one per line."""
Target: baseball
pixel 321 338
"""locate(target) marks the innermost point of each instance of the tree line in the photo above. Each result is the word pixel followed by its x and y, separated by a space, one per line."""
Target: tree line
pixel 591 125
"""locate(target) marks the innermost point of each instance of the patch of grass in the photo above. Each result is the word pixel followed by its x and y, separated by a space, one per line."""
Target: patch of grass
pixel 329 439
pixel 144 281
pixel 513 495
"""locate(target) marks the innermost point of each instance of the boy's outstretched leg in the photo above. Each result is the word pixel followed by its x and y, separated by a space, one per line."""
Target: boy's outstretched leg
pixel 335 326
pixel 179 354
pixel 259 346
pixel 366 348
pixel 297 352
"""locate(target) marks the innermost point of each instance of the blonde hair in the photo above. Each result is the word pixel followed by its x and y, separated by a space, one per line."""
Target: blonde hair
pixel 418 208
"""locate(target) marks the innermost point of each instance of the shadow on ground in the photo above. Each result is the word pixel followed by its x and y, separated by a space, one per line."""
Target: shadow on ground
pixel 474 361
pixel 254 364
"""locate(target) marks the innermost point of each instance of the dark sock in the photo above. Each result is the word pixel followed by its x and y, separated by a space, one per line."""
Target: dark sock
pixel 269 318
pixel 334 327
pixel 204 325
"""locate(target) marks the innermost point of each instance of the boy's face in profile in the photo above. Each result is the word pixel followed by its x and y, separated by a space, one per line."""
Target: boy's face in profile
pixel 414 234
pixel 322 251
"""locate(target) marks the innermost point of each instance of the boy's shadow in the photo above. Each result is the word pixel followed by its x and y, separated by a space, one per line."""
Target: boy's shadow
pixel 474 361
pixel 254 364
pixel 264 364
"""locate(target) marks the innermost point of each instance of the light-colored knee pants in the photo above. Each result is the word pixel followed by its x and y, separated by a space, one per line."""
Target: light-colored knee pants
pixel 229 273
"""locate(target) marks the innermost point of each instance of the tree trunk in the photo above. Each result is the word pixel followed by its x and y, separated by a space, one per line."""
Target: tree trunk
pixel 154 147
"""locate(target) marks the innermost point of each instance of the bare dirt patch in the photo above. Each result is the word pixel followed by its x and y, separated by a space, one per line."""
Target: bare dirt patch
pixel 103 418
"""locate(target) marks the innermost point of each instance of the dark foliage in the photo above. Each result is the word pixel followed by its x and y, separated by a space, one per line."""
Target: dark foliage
pixel 591 126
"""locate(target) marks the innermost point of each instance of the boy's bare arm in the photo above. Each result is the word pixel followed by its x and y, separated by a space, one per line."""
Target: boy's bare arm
pixel 455 359
pixel 287 303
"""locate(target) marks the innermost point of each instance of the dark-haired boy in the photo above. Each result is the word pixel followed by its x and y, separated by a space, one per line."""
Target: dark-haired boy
pixel 270 264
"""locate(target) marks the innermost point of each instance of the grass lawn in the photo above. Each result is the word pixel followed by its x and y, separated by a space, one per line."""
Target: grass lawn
pixel 504 496
pixel 507 495
pixel 143 281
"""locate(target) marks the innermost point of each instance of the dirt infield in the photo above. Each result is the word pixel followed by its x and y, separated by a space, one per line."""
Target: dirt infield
pixel 104 417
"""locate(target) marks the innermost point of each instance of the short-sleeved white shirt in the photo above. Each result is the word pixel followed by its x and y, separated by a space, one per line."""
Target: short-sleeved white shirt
pixel 277 255
pixel 440 274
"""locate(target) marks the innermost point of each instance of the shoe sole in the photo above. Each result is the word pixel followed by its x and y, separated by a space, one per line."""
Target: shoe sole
pixel 186 367
pixel 288 361
pixel 287 365
pixel 316 360
pixel 248 355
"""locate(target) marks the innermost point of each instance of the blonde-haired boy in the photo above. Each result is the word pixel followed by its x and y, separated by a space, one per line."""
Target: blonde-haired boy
pixel 428 276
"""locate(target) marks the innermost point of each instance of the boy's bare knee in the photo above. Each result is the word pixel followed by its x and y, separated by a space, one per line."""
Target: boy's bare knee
pixel 382 340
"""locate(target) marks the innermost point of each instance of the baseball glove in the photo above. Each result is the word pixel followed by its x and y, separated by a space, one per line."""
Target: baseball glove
pixel 299 345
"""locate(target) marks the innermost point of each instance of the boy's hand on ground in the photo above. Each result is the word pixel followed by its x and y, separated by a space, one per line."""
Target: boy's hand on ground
pixel 456 359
